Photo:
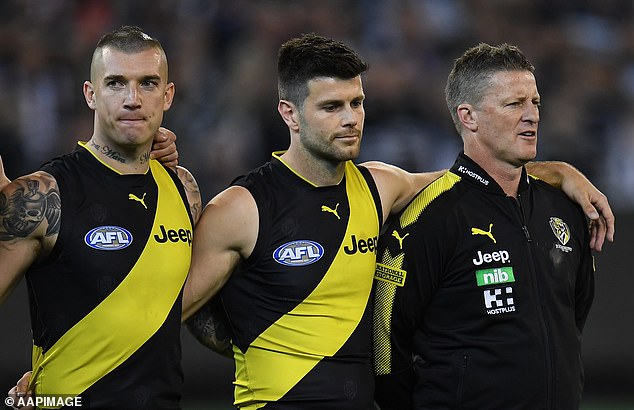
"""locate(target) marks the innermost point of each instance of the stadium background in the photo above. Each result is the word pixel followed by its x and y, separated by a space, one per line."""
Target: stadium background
pixel 222 59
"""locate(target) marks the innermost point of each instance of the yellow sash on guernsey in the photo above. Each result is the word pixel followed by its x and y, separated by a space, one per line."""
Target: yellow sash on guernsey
pixel 129 316
pixel 318 327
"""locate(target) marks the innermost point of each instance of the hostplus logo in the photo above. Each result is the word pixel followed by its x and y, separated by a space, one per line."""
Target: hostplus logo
pixel 497 300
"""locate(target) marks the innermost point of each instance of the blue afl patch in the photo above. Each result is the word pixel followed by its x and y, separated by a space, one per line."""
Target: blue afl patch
pixel 298 253
pixel 108 238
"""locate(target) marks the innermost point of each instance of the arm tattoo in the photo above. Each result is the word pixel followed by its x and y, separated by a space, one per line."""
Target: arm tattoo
pixel 28 207
pixel 193 192
pixel 209 326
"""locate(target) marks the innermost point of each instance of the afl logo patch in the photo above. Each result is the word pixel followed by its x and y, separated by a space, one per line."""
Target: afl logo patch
pixel 298 253
pixel 108 238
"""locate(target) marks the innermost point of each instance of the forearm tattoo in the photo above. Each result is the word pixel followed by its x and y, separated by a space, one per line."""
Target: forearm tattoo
pixel 34 202
pixel 209 326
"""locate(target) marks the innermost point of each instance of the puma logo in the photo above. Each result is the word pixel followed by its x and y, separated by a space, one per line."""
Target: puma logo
pixel 478 231
pixel 398 237
pixel 136 198
pixel 325 208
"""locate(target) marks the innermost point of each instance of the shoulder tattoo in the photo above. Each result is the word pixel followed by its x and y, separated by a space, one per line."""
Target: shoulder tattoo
pixel 192 190
pixel 36 200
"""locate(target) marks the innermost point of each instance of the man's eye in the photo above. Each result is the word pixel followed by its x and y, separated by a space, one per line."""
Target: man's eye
pixel 115 84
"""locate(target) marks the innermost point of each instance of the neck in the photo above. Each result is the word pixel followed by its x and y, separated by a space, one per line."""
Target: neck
pixel 509 181
pixel 135 160
pixel 317 171
pixel 506 175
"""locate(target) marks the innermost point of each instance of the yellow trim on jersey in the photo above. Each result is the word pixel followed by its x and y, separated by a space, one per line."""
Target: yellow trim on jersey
pixel 386 290
pixel 278 156
pixel 129 316
pixel 85 145
pixel 319 326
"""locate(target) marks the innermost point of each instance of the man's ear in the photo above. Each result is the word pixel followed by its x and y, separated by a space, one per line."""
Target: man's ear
pixel 468 117
pixel 89 95
pixel 169 96
pixel 289 113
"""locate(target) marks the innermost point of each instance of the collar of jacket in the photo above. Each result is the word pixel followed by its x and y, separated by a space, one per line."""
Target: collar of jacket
pixel 471 172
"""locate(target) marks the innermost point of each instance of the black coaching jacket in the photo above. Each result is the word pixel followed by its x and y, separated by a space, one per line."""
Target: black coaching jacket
pixel 481 298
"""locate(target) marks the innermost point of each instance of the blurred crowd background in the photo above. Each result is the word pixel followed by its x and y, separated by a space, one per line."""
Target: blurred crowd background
pixel 222 57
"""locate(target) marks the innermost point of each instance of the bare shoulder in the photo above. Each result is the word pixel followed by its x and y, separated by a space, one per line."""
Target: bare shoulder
pixel 191 190
pixel 378 166
pixel 231 218
pixel 30 215
pixel 234 197
pixel 30 207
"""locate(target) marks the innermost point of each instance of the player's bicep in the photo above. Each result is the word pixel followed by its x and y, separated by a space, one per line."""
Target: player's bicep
pixel 225 234
pixel 30 214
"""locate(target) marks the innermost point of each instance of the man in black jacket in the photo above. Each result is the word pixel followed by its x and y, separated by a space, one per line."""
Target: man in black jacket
pixel 485 280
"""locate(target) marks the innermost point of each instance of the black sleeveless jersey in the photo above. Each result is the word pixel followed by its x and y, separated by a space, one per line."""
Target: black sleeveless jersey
pixel 298 306
pixel 106 303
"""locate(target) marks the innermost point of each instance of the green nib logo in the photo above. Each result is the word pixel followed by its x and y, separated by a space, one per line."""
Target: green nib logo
pixel 495 276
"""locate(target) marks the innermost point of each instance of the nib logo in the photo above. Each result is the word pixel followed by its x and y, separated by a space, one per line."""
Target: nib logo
pixel 495 276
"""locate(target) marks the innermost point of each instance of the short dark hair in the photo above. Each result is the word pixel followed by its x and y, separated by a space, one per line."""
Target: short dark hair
pixel 309 56
pixel 129 39
pixel 471 73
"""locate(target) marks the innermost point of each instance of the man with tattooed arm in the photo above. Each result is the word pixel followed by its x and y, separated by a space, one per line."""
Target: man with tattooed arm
pixel 86 231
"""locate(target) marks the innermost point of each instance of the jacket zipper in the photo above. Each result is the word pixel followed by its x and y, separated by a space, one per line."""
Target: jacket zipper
pixel 544 328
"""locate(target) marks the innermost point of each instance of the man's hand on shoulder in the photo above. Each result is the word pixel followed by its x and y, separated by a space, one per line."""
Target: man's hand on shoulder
pixel 164 148
pixel 594 204
pixel 579 189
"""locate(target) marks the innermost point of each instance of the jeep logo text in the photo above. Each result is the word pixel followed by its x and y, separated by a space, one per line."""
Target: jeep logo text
pixel 498 256
pixel 172 235
pixel 362 245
